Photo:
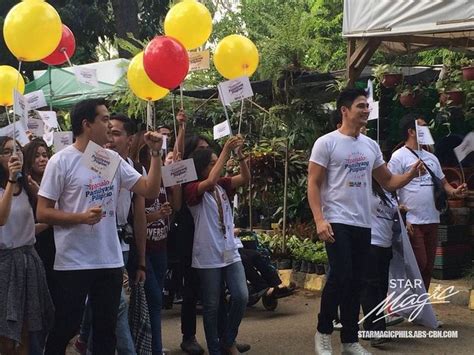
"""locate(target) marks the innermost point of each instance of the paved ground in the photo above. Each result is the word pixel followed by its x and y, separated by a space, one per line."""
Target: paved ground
pixel 289 330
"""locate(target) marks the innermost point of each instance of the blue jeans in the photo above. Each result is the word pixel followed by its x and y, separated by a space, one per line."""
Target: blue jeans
pixel 125 345
pixel 212 281
pixel 156 265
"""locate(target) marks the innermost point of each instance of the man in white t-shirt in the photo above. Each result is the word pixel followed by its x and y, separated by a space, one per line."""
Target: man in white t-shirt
pixel 339 191
pixel 122 133
pixel 418 195
pixel 82 207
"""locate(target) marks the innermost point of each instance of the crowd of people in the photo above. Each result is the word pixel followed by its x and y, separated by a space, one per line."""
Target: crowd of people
pixel 67 234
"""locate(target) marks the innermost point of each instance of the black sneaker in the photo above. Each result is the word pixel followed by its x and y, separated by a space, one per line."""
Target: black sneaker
pixel 242 347
pixel 191 346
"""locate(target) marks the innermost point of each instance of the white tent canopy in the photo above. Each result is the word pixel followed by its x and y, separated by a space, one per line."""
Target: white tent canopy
pixel 404 26
pixel 370 18
pixel 108 72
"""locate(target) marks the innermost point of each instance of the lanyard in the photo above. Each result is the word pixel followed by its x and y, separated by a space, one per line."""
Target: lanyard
pixel 215 195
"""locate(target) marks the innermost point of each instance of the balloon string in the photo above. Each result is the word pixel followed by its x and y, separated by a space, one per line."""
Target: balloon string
pixel 153 114
pixel 81 88
pixel 174 119
pixel 149 122
pixel 8 116
pixel 225 109
pixel 14 111
pixel 51 93
pixel 67 58
pixel 181 95
pixel 241 113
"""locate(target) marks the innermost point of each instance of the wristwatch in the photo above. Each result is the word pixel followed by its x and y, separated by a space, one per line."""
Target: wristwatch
pixel 155 153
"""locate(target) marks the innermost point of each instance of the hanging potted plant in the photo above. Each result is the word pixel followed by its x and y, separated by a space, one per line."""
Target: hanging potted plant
pixel 467 67
pixel 408 95
pixel 449 86
pixel 388 75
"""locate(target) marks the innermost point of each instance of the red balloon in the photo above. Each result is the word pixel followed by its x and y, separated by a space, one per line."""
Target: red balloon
pixel 166 61
pixel 66 45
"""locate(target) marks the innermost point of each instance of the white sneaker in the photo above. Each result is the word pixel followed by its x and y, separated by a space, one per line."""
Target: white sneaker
pixel 322 344
pixel 336 325
pixel 354 349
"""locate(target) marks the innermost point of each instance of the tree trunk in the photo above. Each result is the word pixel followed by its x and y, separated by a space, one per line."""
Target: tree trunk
pixel 126 21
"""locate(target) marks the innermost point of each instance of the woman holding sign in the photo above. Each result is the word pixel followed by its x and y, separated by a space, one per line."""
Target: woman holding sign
pixel 158 213
pixel 26 305
pixel 215 249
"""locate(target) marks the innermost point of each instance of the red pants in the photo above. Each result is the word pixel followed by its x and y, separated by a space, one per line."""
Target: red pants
pixel 423 242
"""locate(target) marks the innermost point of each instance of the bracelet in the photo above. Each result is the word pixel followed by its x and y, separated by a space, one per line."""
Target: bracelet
pixel 12 181
pixel 155 153
pixel 142 268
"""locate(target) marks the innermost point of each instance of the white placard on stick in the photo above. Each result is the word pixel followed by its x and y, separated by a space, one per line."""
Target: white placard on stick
pixel 199 60
pixel 164 145
pixel 102 161
pixel 20 133
pixel 370 91
pixel 49 117
pixel 61 140
pixel 179 172
pixel 48 137
pixel 235 90
pixel 36 99
pixel 20 106
pixel 86 76
pixel 36 127
pixel 222 129
pixel 465 148
pixel 374 110
pixel 423 135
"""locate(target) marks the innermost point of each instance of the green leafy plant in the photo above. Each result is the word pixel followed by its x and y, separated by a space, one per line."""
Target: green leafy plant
pixel 405 89
pixel 450 78
pixel 380 70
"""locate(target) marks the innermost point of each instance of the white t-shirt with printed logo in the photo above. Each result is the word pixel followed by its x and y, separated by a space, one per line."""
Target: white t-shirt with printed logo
pixel 76 189
pixel 212 248
pixel 418 194
pixel 382 220
pixel 347 189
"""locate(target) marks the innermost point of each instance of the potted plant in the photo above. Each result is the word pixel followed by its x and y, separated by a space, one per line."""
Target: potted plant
pixel 294 247
pixel 449 86
pixel 467 67
pixel 408 95
pixel 304 266
pixel 311 267
pixel 388 75
pixel 319 259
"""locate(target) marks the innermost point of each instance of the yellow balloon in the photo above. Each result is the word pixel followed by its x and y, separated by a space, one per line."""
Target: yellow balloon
pixel 236 56
pixel 140 83
pixel 32 30
pixel 9 77
pixel 190 22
